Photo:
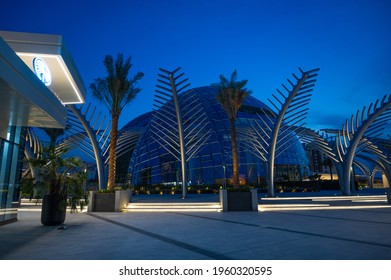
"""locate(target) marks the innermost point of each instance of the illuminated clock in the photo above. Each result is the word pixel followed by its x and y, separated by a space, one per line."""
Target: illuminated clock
pixel 42 71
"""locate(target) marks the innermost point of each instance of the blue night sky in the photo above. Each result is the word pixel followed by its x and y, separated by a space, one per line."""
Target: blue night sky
pixel 266 41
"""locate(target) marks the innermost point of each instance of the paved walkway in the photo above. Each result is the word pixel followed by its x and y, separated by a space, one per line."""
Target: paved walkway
pixel 285 228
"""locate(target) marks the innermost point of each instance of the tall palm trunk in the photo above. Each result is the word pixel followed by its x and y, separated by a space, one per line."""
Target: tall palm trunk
pixel 331 172
pixel 235 156
pixel 112 152
pixel 231 96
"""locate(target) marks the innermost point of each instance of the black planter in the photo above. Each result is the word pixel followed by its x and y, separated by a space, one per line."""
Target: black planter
pixel 104 202
pixel 53 209
pixel 109 202
pixel 239 200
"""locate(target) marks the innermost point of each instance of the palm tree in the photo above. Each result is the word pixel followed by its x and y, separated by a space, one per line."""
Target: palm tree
pixel 231 95
pixel 115 91
pixel 53 134
pixel 58 178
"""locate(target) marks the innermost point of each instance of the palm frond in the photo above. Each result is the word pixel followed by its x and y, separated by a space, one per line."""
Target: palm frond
pixel 109 65
pixel 232 94
pixel 234 76
pixel 116 90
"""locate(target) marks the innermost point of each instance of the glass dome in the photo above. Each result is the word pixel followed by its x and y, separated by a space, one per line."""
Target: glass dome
pixel 150 163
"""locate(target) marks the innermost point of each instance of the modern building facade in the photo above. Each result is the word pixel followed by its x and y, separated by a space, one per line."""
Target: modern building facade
pixel 37 79
pixel 147 162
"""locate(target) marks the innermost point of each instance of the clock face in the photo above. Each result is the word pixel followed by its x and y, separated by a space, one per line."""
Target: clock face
pixel 42 71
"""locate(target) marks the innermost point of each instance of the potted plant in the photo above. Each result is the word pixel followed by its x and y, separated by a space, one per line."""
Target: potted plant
pixel 58 178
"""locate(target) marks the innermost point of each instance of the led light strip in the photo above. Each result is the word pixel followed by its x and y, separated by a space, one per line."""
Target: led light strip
pixel 292 208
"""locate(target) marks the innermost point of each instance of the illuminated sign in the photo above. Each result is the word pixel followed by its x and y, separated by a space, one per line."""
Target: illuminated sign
pixel 42 71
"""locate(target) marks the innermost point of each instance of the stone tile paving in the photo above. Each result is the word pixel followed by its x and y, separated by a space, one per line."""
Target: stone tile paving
pixel 296 234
